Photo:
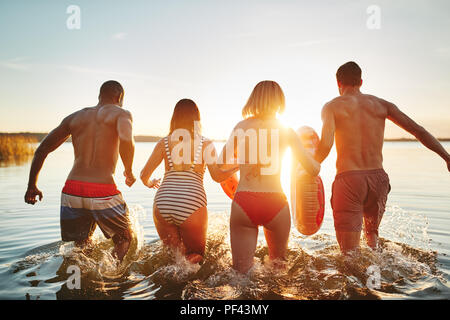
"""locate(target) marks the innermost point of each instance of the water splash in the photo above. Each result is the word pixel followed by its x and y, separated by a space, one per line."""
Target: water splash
pixel 406 227
pixel 315 268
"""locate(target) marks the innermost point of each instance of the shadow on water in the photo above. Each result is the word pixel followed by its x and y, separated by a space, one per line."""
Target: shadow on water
pixel 314 269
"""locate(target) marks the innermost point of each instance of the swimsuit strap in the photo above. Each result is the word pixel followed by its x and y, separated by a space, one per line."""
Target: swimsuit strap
pixel 169 158
pixel 198 153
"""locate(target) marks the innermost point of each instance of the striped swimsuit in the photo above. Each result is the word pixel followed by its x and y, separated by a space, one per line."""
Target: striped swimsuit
pixel 181 192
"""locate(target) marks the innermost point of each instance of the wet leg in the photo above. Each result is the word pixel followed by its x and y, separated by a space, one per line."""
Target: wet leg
pixel 243 236
pixel 193 234
pixel 277 234
pixel 371 224
pixel 168 232
pixel 122 241
pixel 348 241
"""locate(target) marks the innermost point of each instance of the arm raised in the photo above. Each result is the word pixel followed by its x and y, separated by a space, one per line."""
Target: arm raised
pixel 406 123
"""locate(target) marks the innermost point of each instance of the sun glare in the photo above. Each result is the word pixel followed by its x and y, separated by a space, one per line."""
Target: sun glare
pixel 286 165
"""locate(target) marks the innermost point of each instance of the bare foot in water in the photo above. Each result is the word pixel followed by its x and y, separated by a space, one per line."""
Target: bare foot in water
pixel 278 265
pixel 194 258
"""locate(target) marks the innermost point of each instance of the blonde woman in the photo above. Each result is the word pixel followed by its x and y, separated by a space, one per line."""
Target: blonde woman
pixel 179 209
pixel 260 141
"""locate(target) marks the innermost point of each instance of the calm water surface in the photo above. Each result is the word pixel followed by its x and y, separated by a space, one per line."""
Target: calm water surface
pixel 414 262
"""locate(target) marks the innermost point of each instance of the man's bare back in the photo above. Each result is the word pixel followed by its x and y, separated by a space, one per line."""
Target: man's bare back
pixel 95 137
pixel 360 122
pixel 99 134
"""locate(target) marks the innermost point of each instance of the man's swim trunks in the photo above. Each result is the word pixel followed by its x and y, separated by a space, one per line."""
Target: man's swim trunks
pixel 357 195
pixel 85 204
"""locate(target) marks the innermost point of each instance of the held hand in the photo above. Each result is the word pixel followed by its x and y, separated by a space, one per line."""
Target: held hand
pixel 30 195
pixel 154 184
pixel 129 178
pixel 232 171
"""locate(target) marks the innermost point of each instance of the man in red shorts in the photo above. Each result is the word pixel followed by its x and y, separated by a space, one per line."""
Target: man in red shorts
pixel 90 197
pixel 356 121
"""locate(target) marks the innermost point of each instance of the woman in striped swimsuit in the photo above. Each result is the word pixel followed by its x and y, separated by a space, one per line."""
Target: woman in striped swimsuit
pixel 179 209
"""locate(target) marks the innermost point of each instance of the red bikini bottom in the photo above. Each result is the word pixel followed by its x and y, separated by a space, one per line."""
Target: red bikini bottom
pixel 261 207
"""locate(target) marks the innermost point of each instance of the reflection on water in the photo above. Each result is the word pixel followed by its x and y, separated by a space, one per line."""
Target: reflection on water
pixel 412 263
pixel 15 161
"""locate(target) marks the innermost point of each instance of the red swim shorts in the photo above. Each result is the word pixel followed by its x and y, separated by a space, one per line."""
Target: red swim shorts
pixel 357 196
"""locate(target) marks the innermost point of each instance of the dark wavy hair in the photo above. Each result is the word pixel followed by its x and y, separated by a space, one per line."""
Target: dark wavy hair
pixel 184 116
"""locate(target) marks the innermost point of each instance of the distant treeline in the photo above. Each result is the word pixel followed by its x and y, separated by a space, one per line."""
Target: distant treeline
pixel 38 137
pixel 16 145
pixel 32 135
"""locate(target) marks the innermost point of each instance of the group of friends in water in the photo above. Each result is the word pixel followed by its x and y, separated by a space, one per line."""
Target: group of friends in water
pixel 354 121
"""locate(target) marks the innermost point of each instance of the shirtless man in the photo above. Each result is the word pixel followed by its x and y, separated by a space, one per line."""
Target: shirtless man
pixel 90 197
pixel 361 187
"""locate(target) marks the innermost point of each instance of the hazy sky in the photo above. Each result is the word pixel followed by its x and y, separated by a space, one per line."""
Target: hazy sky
pixel 215 52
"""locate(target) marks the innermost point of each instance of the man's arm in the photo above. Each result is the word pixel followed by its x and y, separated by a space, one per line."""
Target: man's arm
pixel 51 142
pixel 126 145
pixel 406 123
pixel 328 129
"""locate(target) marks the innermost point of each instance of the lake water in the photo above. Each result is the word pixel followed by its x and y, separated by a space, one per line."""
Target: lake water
pixel 414 262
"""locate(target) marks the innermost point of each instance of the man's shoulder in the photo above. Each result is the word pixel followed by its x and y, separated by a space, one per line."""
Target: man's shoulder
pixel 81 111
pixel 116 110
pixel 333 103
pixel 77 114
pixel 125 113
pixel 112 113
pixel 382 101
pixel 381 105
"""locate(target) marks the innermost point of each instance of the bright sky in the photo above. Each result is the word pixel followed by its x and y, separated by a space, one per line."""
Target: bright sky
pixel 215 52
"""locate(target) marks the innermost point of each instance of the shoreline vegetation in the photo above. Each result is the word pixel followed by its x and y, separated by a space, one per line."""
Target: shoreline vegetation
pixel 17 146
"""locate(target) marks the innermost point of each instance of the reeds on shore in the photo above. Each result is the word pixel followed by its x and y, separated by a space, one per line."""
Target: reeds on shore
pixel 16 146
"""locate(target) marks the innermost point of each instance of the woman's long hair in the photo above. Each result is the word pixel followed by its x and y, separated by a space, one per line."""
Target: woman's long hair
pixel 185 115
pixel 267 99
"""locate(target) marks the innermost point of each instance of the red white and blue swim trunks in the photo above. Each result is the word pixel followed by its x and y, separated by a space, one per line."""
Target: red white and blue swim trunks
pixel 85 205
